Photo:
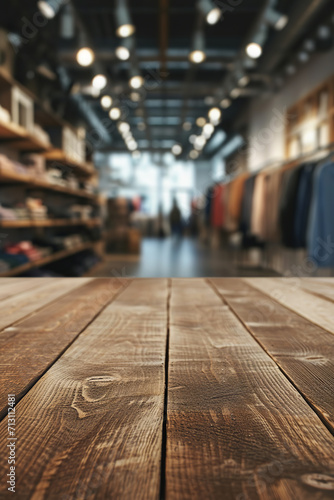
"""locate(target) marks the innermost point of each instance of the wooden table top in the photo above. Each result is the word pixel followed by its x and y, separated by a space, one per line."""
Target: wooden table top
pixel 177 389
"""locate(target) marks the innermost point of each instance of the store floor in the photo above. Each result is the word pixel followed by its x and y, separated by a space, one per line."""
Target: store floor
pixel 178 389
pixel 178 258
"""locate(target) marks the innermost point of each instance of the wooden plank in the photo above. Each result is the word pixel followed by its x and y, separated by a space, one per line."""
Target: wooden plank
pixel 303 351
pixel 92 425
pixel 323 288
pixel 289 292
pixel 236 428
pixel 29 347
pixel 15 286
pixel 16 308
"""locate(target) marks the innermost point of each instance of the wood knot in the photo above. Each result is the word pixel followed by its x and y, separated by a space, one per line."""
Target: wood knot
pixel 320 481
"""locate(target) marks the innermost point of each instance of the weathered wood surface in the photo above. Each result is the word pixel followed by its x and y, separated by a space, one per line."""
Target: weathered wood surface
pixel 30 346
pixel 290 293
pixel 17 307
pixel 15 286
pixel 303 351
pixel 92 426
pixel 237 428
pixel 248 380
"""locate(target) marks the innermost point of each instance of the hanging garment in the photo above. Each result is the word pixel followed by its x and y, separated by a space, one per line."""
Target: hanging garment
pixel 303 205
pixel 287 209
pixel 218 206
pixel 235 201
pixel 273 186
pixel 258 206
pixel 321 229
pixel 246 206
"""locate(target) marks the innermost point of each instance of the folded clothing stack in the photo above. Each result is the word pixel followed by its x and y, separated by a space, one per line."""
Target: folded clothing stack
pixel 32 209
pixel 25 248
pixel 58 243
pixel 36 209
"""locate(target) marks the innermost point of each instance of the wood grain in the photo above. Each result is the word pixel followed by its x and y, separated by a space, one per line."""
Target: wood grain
pixel 17 307
pixel 237 428
pixel 303 351
pixel 91 428
pixel 14 286
pixel 29 347
pixel 290 293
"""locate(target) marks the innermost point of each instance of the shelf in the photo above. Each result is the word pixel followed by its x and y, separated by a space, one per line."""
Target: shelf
pixel 16 224
pixel 10 177
pixel 58 155
pixel 13 134
pixel 47 260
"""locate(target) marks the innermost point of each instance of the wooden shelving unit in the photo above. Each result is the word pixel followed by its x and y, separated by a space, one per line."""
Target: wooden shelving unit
pixel 18 139
pixel 17 224
pixel 48 260
pixel 32 182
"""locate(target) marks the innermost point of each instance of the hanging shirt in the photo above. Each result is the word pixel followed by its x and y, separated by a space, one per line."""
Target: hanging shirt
pixel 321 229
pixel 288 203
pixel 303 205
pixel 218 206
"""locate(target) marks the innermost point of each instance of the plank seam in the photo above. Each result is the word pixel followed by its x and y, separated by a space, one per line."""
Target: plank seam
pixel 164 424
pixel 19 397
pixel 329 427
pixel 266 294
pixel 45 305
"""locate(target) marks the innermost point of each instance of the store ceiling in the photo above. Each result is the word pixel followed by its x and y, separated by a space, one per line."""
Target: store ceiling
pixel 176 91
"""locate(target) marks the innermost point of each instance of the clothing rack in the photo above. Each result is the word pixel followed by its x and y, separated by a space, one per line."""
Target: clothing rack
pixel 277 165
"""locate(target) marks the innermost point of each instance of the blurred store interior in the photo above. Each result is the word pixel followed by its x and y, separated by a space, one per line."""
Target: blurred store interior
pixel 167 138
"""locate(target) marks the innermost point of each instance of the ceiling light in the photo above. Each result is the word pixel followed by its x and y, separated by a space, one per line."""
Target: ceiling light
pixel 136 155
pixel 135 96
pixel 136 82
pixel 176 149
pixel 226 103
pixel 141 126
pixel 200 142
pixel 106 102
pixel 122 53
pixel 276 19
pixel 194 154
pixel 254 50
pixel 99 82
pixel 208 130
pixel 115 113
pixel 124 24
pixel 85 56
pixel 123 127
pixel 127 136
pixel 197 55
pixel 192 138
pixel 211 12
pixel 244 81
pixel 214 115
pixel 49 8
pixel 187 126
pixel 132 145
pixel 235 93
pixel 200 122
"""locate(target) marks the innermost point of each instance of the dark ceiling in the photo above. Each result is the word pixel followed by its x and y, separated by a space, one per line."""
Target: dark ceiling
pixel 176 90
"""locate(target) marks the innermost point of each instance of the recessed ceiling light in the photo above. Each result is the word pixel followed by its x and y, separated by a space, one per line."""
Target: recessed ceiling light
pixel 192 138
pixel 123 127
pixel 176 149
pixel 115 113
pixel 226 103
pixel 214 115
pixel 136 82
pixel 254 50
pixel 208 130
pixel 99 82
pixel 125 30
pixel 135 96
pixel 194 154
pixel 122 53
pixel 200 122
pixel 197 56
pixel 106 102
pixel 85 56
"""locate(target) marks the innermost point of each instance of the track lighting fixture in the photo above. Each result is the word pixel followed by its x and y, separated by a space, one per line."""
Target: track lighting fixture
pixel 276 19
pixel 211 12
pixel 49 8
pixel 125 27
pixel 197 55
pixel 255 48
